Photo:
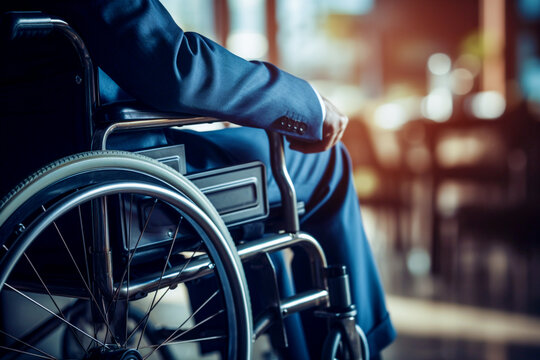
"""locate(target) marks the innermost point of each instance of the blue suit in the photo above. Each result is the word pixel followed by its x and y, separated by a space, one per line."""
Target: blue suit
pixel 139 46
pixel 137 43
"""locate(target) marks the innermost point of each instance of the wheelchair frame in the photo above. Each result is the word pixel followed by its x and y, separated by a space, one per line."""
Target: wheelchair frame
pixel 330 293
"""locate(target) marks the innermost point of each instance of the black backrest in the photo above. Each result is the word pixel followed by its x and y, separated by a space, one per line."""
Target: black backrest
pixel 41 105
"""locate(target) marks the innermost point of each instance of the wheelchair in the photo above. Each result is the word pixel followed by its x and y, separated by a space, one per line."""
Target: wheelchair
pixel 96 248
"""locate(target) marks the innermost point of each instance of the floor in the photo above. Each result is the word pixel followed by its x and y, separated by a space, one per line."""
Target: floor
pixel 484 303
pixel 439 330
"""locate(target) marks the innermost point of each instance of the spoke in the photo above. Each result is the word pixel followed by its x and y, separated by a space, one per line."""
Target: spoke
pixel 197 325
pixel 53 301
pixel 27 353
pixel 55 315
pixel 46 355
pixel 171 339
pixel 86 262
pixel 173 335
pixel 82 277
pixel 85 252
pixel 160 280
pixel 162 295
pixel 217 337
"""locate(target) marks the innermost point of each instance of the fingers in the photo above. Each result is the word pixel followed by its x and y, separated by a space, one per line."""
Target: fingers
pixel 334 125
pixel 307 148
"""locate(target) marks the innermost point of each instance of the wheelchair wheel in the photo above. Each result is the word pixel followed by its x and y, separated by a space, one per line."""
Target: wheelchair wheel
pixel 114 255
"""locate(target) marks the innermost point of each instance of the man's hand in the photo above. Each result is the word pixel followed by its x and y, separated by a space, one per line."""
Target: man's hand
pixel 334 125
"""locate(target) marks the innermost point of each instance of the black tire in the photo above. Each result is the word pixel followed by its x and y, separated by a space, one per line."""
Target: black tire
pixel 50 213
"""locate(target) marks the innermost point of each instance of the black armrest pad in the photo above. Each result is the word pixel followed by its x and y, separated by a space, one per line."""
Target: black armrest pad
pixel 133 110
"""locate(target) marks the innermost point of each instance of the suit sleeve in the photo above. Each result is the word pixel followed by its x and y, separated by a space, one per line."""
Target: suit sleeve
pixel 138 44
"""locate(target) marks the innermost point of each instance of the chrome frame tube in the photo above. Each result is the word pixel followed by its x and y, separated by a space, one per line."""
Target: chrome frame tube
pixel 303 301
pixel 282 241
pixel 89 76
pixel 284 182
pixel 198 267
pixel 101 253
pixel 201 266
pixel 101 136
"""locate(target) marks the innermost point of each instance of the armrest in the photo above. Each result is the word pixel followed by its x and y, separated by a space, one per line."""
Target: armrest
pixel 132 115
pixel 132 110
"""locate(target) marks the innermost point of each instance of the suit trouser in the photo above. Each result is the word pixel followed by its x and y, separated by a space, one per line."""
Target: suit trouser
pixel 323 182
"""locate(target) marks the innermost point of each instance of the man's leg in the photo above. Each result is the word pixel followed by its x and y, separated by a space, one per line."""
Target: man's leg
pixel 333 217
pixel 323 182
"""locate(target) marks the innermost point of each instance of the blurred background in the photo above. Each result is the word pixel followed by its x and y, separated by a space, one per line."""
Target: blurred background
pixel 444 102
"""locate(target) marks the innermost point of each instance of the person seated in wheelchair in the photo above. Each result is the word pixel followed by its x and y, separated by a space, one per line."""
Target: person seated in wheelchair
pixel 143 54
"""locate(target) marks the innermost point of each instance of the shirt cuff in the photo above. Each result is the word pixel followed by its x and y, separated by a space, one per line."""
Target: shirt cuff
pixel 321 102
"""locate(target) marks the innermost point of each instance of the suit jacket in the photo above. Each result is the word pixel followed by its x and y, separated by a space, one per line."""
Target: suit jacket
pixel 138 44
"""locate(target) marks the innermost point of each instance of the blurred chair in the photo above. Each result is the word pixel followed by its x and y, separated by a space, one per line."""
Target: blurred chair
pixel 379 187
pixel 484 193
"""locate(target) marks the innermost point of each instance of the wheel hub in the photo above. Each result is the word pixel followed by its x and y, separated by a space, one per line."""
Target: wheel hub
pixel 115 354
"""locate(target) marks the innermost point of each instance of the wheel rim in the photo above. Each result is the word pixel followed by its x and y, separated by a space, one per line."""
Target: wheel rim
pixel 215 246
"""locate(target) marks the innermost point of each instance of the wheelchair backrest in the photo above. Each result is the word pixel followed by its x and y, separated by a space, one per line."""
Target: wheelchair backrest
pixel 41 105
